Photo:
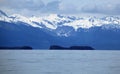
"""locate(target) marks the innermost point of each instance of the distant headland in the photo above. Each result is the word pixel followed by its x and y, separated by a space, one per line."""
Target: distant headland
pixel 16 48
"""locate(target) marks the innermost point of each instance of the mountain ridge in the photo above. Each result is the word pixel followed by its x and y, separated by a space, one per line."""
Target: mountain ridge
pixel 66 31
pixel 55 21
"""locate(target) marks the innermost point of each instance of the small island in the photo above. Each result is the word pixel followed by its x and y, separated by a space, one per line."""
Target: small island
pixel 56 47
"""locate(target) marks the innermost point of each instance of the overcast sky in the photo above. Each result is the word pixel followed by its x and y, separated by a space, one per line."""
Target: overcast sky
pixel 39 7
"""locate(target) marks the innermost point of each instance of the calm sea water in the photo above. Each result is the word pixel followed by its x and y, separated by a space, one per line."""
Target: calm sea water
pixel 59 62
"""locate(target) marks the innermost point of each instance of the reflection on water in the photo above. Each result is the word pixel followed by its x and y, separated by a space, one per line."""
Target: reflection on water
pixel 59 62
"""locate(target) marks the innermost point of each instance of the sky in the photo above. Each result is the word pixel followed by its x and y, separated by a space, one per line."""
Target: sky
pixel 74 7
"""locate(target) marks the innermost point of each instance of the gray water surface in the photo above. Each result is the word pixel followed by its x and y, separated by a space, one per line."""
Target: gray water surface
pixel 59 62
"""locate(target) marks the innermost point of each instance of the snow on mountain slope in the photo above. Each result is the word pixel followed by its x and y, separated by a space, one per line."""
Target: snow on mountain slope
pixel 17 18
pixel 53 21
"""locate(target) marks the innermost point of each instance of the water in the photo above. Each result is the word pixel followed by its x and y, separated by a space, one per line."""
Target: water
pixel 59 62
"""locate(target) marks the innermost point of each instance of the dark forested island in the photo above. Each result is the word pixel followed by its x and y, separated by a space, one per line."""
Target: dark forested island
pixel 56 47
pixel 16 48
pixel 52 47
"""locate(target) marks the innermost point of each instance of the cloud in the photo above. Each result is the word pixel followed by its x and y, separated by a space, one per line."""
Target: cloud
pixel 27 6
pixel 106 7
pixel 117 9
pixel 68 8
pixel 109 9
pixel 51 7
pixel 22 4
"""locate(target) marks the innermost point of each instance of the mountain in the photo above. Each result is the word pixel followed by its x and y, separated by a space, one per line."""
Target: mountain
pixel 3 14
pixel 42 32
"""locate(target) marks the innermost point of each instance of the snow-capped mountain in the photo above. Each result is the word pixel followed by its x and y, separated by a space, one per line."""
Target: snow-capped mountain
pixel 54 21
pixel 54 29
